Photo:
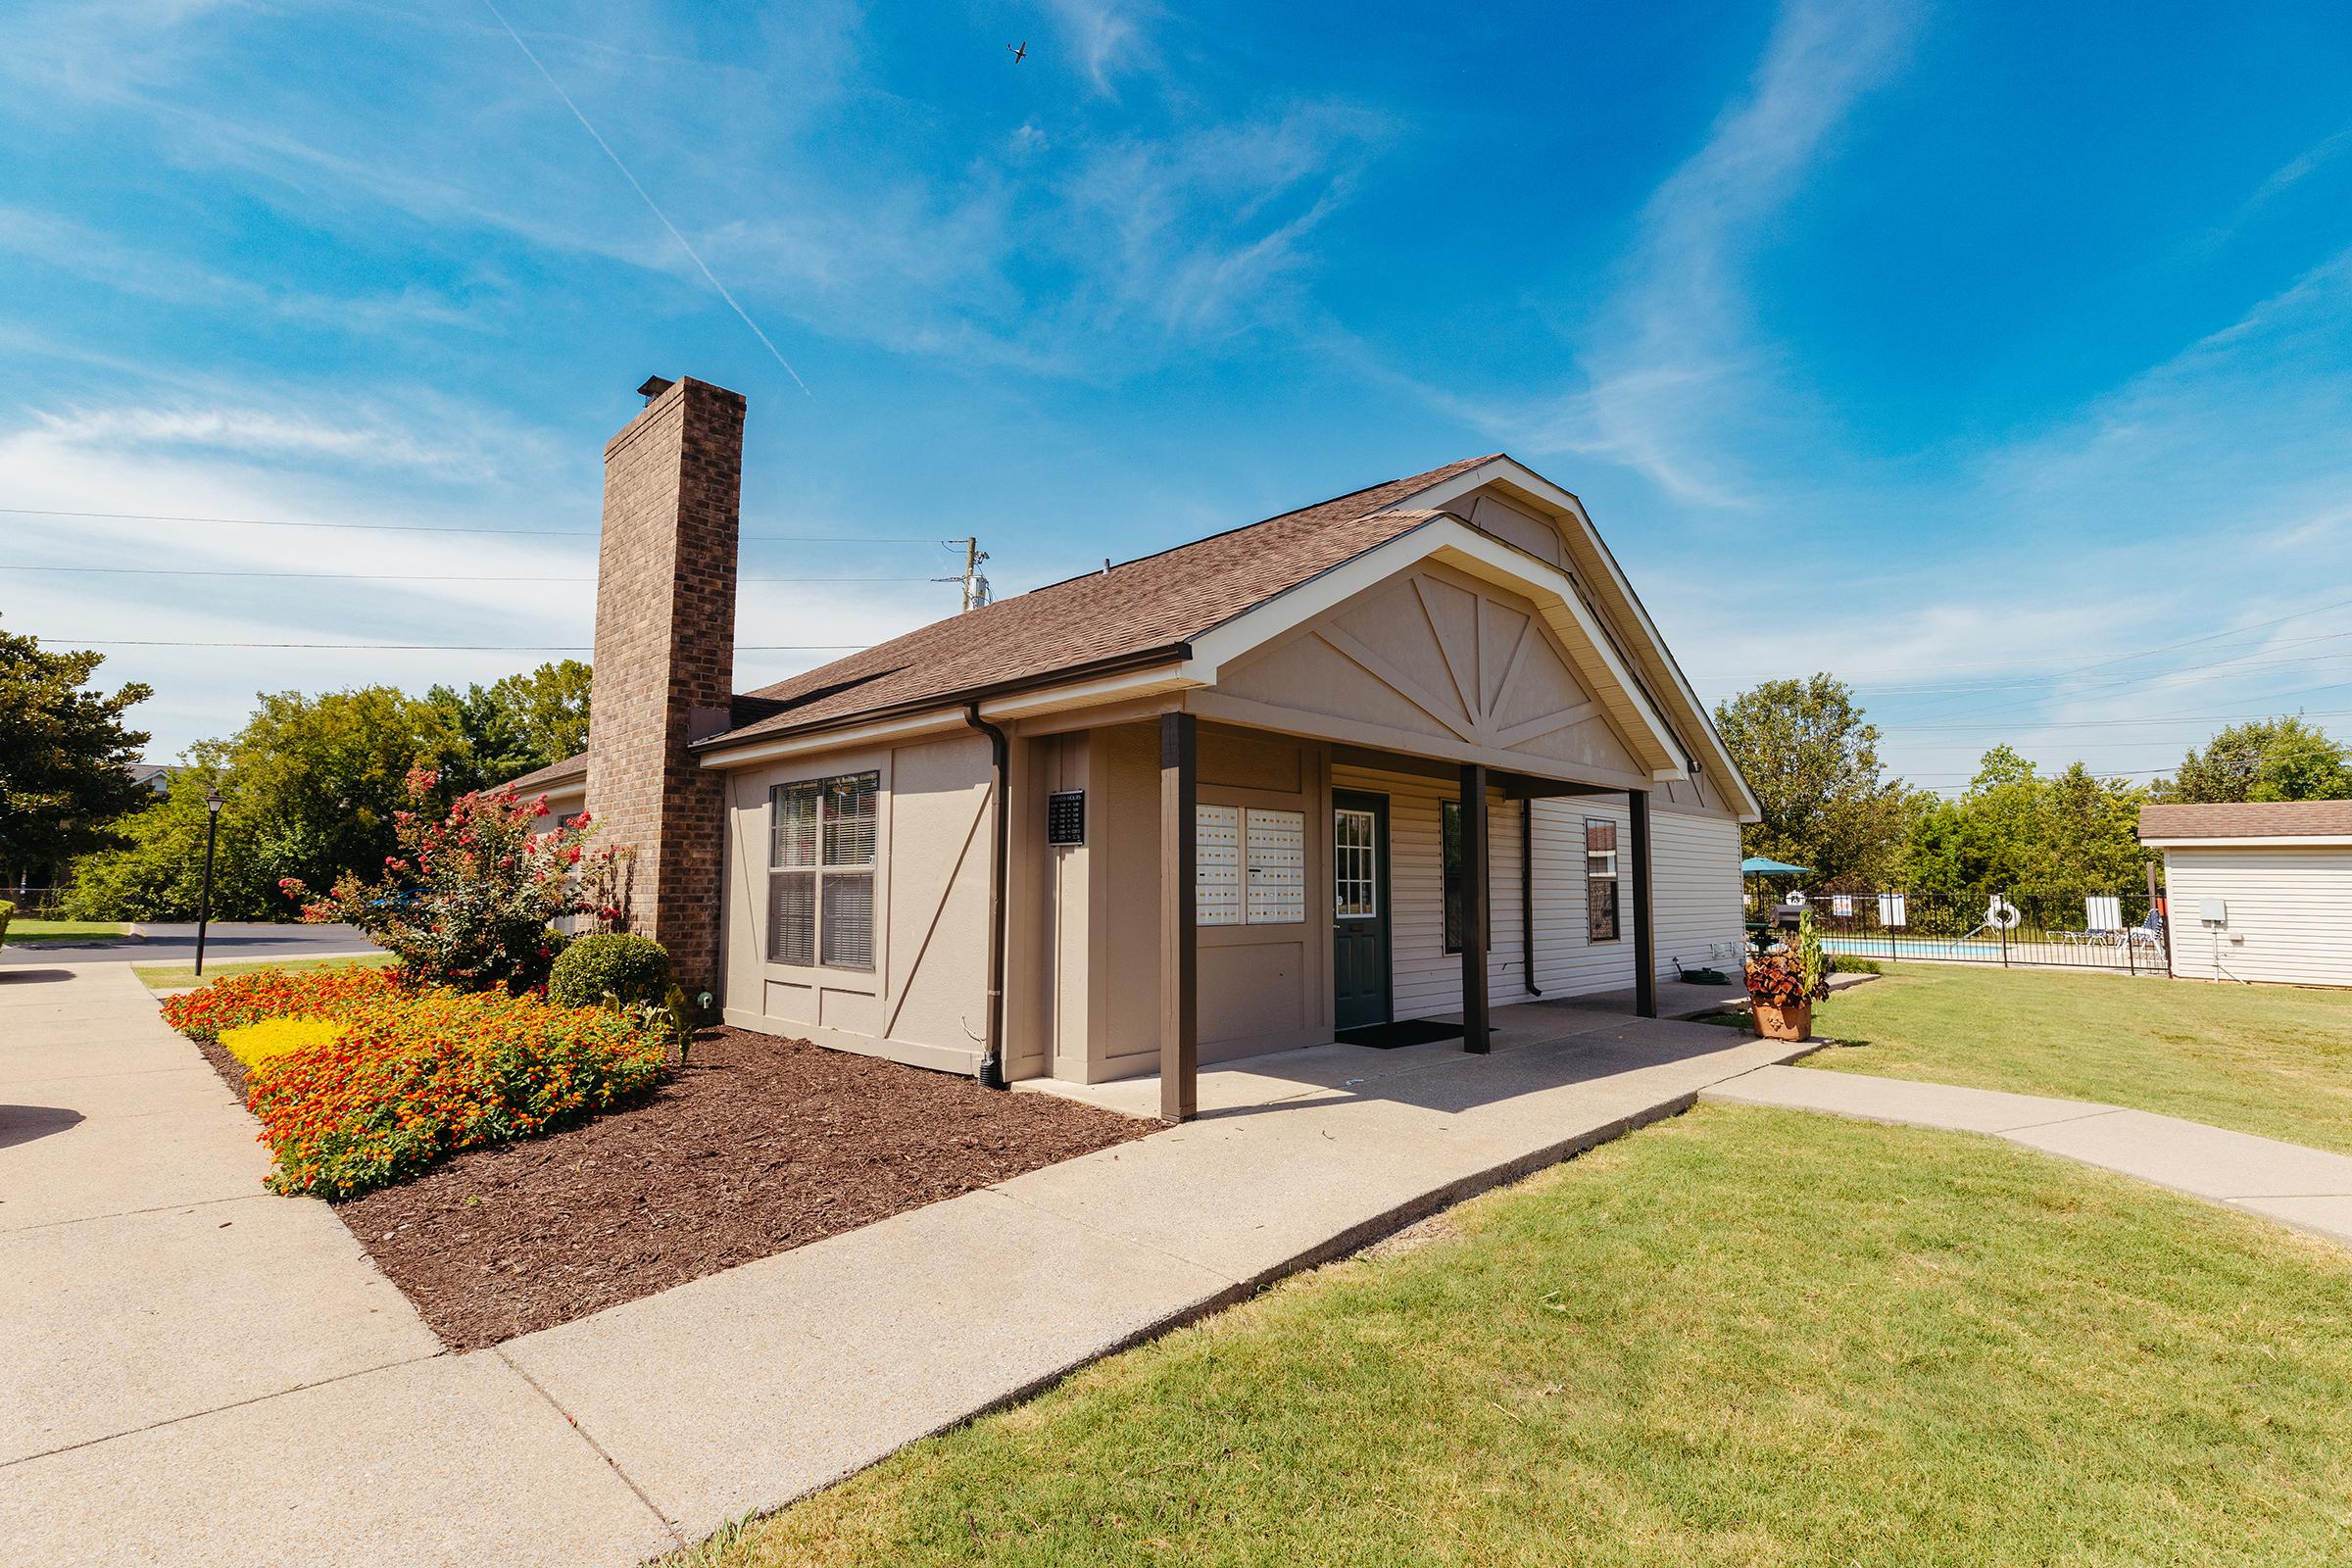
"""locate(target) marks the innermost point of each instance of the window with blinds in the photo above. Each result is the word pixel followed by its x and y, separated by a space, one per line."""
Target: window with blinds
pixel 1600 881
pixel 821 879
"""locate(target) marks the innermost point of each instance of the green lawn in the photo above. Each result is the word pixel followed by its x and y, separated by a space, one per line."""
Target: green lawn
pixel 2269 1059
pixel 1737 1338
pixel 28 931
pixel 171 976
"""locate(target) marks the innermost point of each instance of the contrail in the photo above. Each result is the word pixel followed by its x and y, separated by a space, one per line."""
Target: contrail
pixel 651 206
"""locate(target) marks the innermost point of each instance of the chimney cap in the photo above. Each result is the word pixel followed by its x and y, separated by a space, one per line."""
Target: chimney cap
pixel 655 386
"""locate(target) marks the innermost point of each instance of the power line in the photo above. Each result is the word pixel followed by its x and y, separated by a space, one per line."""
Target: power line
pixel 2173 647
pixel 422 527
pixel 406 576
pixel 437 648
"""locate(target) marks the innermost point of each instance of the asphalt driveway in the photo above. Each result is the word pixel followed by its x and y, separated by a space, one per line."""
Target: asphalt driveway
pixel 170 942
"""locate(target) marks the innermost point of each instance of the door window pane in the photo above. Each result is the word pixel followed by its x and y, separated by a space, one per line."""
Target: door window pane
pixel 1354 865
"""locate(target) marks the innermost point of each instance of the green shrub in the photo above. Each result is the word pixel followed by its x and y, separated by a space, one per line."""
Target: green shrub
pixel 1845 965
pixel 6 909
pixel 610 964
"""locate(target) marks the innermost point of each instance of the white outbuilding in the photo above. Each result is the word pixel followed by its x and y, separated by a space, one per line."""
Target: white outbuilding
pixel 2258 891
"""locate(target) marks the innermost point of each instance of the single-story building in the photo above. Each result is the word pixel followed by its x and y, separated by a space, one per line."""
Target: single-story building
pixel 1401 753
pixel 2257 891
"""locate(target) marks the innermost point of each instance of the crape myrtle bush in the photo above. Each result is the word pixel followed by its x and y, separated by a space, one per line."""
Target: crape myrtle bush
pixel 403 1073
pixel 472 897
pixel 610 964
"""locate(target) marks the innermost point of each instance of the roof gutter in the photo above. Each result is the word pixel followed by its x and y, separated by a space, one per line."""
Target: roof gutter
pixel 992 1049
pixel 969 697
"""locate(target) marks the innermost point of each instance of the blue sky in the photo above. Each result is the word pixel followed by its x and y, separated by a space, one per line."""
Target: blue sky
pixel 1962 351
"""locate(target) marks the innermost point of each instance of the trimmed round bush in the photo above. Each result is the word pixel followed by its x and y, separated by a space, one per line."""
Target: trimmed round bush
pixel 610 964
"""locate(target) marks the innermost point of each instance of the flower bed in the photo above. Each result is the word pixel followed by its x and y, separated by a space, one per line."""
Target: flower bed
pixel 233 1000
pixel 394 1076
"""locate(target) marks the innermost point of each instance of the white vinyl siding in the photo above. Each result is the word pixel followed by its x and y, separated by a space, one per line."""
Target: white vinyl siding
pixel 2290 913
pixel 1567 962
pixel 1695 861
pixel 1695 869
pixel 1427 980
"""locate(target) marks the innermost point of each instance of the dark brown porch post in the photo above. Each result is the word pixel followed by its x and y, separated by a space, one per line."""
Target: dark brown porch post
pixel 1646 935
pixel 1179 931
pixel 1474 908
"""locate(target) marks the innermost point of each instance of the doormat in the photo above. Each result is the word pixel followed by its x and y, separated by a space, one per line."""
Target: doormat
pixel 1404 1032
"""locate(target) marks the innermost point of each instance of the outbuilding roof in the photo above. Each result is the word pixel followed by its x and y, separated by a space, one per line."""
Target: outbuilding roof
pixel 1131 611
pixel 2249 820
pixel 571 770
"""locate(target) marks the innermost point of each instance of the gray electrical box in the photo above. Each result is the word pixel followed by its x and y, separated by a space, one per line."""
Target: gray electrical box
pixel 2213 911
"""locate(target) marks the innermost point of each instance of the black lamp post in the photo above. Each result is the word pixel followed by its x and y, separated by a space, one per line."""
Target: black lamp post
pixel 204 896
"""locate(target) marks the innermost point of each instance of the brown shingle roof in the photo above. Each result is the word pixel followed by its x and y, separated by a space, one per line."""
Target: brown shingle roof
pixel 2269 819
pixel 1131 610
pixel 569 770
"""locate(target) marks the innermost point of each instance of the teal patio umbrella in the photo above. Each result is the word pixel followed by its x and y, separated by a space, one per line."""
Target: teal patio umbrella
pixel 1757 866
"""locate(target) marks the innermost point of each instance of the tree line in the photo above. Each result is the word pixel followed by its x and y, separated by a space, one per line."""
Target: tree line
pixel 308 784
pixel 1811 757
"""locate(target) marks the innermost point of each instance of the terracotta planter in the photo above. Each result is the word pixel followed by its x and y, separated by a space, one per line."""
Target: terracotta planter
pixel 1783 1023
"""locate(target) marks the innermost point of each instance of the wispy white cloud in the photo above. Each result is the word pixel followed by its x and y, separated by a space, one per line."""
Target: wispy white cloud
pixel 1111 38
pixel 1678 383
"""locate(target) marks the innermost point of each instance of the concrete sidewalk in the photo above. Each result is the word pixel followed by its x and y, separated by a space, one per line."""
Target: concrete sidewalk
pixel 193 1371
pixel 2306 1187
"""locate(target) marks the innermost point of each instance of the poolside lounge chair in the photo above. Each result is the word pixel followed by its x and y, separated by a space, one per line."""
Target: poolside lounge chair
pixel 2102 923
pixel 2149 933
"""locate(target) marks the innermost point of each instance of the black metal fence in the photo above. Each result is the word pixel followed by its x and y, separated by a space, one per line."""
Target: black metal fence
pixel 30 900
pixel 2113 931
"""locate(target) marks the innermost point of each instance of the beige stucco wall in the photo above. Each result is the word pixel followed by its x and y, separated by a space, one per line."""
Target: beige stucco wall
pixel 1083 964
pixel 925 999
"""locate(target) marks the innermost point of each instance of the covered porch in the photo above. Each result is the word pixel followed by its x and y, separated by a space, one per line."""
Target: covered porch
pixel 1356 866
pixel 1582 1046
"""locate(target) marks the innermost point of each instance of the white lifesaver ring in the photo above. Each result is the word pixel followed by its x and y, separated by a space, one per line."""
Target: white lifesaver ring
pixel 1795 900
pixel 2001 915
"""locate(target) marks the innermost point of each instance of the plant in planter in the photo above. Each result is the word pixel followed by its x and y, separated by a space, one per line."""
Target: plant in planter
pixel 1785 985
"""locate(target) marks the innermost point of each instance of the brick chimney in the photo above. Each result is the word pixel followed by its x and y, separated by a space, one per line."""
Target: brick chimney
pixel 664 673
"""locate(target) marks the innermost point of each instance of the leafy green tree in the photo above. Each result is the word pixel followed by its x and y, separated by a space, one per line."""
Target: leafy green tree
pixel 308 789
pixel 514 725
pixel 2268 760
pixel 65 755
pixel 1812 761
pixel 2046 842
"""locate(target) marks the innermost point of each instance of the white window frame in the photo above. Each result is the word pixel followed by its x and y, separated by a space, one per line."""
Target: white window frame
pixel 821 868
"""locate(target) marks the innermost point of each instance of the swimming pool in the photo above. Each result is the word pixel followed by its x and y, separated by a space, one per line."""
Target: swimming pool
pixel 1955 949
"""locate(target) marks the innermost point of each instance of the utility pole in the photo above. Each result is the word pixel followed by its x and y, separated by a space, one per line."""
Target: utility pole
pixel 975 586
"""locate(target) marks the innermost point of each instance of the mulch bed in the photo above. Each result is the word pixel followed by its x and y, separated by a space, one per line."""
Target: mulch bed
pixel 760 1145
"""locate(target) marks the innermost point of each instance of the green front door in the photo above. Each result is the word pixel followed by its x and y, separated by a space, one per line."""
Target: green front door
pixel 1359 908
